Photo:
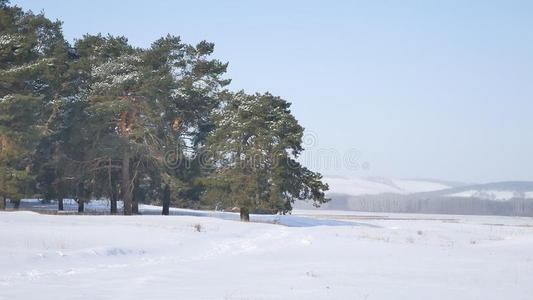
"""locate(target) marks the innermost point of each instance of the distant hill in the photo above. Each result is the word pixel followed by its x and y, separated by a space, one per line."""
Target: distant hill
pixel 380 185
pixel 428 196
pixel 505 190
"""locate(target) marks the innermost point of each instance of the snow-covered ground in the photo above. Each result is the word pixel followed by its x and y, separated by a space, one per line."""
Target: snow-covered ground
pixel 309 255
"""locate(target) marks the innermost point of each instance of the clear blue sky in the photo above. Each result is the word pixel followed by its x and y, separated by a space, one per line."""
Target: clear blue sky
pixel 422 89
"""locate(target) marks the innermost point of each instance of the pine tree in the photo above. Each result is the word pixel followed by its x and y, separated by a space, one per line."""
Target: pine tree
pixel 101 162
pixel 253 151
pixel 151 101
pixel 196 83
pixel 32 59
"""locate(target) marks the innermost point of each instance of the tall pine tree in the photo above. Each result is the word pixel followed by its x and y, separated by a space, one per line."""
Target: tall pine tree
pixel 32 63
pixel 253 157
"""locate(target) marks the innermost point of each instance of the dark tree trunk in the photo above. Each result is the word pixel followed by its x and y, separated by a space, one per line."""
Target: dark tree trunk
pixel 135 205
pixel 60 203
pixel 16 204
pixel 81 206
pixel 3 203
pixel 127 194
pixel 113 203
pixel 166 201
pixel 245 214
pixel 113 195
pixel 136 197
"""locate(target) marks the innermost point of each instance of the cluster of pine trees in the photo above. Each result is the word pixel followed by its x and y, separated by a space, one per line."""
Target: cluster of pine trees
pixel 101 118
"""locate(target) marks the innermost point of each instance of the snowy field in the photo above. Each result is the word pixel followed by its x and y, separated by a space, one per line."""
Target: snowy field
pixel 309 255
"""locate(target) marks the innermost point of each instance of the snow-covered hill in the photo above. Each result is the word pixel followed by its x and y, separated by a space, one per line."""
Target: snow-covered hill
pixel 512 198
pixel 497 195
pixel 498 191
pixel 379 185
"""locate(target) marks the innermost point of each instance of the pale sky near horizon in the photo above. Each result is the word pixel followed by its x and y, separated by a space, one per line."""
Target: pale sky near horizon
pixel 420 89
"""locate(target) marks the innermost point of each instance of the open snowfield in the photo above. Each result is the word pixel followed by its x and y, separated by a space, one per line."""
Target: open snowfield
pixel 310 255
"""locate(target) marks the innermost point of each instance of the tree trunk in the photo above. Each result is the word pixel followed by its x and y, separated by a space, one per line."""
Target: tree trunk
pixel 112 193
pixel 60 203
pixel 136 196
pixel 166 201
pixel 16 204
pixel 135 205
pixel 113 199
pixel 3 203
pixel 245 214
pixel 126 184
pixel 81 206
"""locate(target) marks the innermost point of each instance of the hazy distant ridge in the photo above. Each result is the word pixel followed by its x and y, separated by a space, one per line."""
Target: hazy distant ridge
pixel 425 196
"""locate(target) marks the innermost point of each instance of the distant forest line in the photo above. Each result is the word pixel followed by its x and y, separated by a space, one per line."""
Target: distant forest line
pixel 398 203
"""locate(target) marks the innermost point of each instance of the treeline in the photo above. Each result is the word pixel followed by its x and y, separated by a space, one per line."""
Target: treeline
pixel 101 118
pixel 432 205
